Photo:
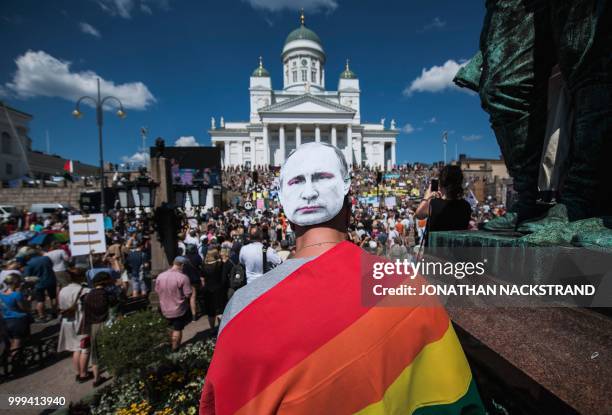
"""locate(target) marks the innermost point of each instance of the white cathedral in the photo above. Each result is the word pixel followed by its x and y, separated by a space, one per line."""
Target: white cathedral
pixel 303 111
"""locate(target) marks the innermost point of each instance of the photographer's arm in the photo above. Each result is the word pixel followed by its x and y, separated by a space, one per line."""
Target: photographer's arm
pixel 422 211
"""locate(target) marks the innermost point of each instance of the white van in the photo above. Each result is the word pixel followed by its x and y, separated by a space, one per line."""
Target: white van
pixel 46 209
pixel 7 212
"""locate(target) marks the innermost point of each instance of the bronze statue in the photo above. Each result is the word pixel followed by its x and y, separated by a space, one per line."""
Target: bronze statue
pixel 521 41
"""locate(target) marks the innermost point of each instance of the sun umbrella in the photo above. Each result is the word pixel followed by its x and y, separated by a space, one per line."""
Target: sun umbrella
pixel 15 238
pixel 44 238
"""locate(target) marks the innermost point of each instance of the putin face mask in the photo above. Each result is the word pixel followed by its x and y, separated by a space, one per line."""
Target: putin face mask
pixel 313 188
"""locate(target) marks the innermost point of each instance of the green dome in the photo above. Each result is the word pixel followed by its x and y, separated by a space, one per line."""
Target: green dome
pixel 260 71
pixel 303 33
pixel 347 73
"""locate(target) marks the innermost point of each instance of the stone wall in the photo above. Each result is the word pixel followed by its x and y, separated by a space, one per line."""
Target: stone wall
pixel 24 197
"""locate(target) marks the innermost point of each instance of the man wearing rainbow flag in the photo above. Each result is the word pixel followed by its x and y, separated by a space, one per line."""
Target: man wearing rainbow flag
pixel 300 340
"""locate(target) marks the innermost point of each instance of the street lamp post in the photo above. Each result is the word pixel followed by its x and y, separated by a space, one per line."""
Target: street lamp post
pixel 99 104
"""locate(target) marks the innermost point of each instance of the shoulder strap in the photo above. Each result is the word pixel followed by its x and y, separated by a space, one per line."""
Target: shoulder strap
pixel 264 250
pixel 76 300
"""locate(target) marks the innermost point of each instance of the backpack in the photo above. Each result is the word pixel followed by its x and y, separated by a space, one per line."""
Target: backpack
pixel 237 277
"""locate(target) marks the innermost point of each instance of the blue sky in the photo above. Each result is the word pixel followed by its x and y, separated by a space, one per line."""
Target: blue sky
pixel 177 63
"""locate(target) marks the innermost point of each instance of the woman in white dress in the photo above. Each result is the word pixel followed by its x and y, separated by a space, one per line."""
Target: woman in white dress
pixel 71 311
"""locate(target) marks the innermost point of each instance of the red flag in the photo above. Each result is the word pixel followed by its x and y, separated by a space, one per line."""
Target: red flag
pixel 69 166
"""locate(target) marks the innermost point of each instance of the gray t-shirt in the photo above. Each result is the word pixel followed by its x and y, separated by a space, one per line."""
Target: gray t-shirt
pixel 250 292
pixel 59 258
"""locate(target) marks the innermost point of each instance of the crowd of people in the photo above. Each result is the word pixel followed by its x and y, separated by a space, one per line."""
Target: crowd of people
pixel 219 251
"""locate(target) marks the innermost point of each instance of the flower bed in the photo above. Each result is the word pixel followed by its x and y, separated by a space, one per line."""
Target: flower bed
pixel 149 379
pixel 170 386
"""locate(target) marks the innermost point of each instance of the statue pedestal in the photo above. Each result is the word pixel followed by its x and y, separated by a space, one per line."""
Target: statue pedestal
pixel 530 360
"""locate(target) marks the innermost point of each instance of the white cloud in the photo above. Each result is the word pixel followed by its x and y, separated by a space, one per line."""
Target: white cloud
pixel 311 6
pixel 472 137
pixel 432 120
pixel 146 9
pixel 407 129
pixel 40 74
pixel 186 141
pixel 125 8
pixel 121 8
pixel 436 78
pixel 436 23
pixel 136 158
pixel 89 29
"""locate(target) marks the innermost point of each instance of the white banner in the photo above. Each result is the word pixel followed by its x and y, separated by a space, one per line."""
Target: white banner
pixel 87 234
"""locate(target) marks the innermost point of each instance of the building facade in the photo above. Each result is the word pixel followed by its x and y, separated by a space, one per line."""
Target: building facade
pixel 303 111
pixel 486 177
pixel 18 160
pixel 14 142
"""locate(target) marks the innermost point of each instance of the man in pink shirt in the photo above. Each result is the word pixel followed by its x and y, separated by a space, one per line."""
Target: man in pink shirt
pixel 174 290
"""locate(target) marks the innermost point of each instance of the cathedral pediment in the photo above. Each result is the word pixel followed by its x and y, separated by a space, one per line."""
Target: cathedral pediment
pixel 307 104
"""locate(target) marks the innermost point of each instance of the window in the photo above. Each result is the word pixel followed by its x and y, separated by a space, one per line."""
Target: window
pixel 9 168
pixel 6 143
pixel 247 149
pixel 304 77
pixel 304 62
pixel 313 75
pixel 294 76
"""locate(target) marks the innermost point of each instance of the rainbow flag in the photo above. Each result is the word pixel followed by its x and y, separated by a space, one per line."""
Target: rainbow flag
pixel 309 346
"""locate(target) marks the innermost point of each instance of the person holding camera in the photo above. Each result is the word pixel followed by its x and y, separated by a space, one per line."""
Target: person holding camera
pixel 443 205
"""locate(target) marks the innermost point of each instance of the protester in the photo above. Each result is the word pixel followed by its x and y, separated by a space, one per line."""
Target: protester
pixel 115 258
pixel 446 209
pixel 284 252
pixel 193 270
pixel 215 291
pixel 398 250
pixel 41 267
pixel 96 307
pixel 136 265
pixel 299 339
pixel 226 271
pixel 15 311
pixel 174 290
pixel 71 312
pixel 60 259
pixel 252 256
pixel 11 267
pixel 100 266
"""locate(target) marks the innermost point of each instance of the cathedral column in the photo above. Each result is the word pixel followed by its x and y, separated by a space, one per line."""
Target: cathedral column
pixel 298 136
pixel 349 143
pixel 281 139
pixel 334 139
pixel 226 155
pixel 317 133
pixel 392 154
pixel 253 153
pixel 266 152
